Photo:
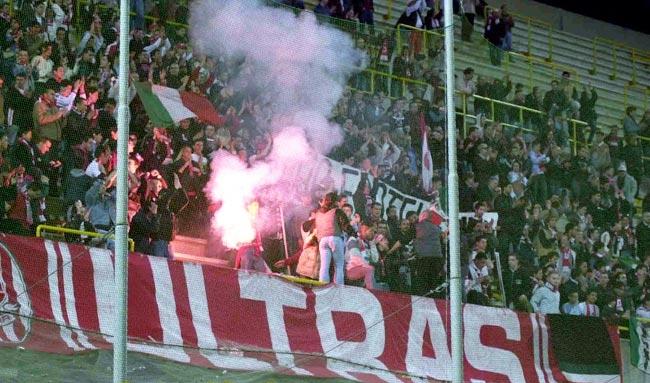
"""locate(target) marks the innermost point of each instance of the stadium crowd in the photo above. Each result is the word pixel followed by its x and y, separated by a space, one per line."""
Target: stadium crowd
pixel 567 239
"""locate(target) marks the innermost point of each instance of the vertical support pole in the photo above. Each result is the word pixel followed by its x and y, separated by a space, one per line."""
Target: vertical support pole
pixel 465 115
pixel 550 44
pixel 528 51
pixel 633 66
pixel 122 225
pixel 492 116
pixel 284 238
pixel 593 57
pixel 615 66
pixel 455 282
pixel 575 138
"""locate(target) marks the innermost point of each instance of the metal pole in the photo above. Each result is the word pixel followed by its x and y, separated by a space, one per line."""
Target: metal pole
pixel 454 223
pixel 122 226
pixel 284 238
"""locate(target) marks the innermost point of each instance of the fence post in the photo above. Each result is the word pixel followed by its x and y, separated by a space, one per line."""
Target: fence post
pixel 633 66
pixel 550 44
pixel 78 16
pixel 530 72
pixel 492 109
pixel 615 66
pixel 399 39
pixel 593 57
pixel 575 138
pixel 389 12
pixel 528 50
pixel 465 115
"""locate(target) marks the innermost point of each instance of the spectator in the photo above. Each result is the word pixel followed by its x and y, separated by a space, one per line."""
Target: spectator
pixel 572 307
pixel 478 281
pixel 630 126
pixel 322 8
pixel 546 299
pixel 643 311
pixel 469 13
pixel 589 308
pixel 429 260
pixel 144 226
pixel 516 281
pixel 508 24
pixel 495 32
pixel 48 119
pixel 358 257
pixel 97 168
pixel 331 223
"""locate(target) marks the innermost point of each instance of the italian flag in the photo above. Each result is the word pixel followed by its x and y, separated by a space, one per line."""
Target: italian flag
pixel 166 107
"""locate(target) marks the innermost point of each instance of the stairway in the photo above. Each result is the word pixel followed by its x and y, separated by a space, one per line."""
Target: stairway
pixel 568 51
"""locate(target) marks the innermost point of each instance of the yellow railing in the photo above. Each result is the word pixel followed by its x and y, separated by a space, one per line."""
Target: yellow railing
pixel 427 37
pixel 613 49
pixel 529 62
pixel 388 80
pixel 64 230
pixel 80 3
pixel 302 281
pixel 529 22
pixel 643 91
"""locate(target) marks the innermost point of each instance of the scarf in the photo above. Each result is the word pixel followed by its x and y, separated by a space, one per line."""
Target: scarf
pixel 551 287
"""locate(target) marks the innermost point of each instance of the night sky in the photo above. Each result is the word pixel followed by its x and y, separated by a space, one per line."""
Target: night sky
pixel 632 14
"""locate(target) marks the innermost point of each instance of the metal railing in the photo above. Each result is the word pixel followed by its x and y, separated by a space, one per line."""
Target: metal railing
pixel 385 81
pixel 616 50
pixel 643 93
pixel 64 230
pixel 527 63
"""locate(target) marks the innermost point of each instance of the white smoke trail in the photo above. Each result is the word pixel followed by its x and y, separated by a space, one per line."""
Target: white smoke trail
pixel 302 68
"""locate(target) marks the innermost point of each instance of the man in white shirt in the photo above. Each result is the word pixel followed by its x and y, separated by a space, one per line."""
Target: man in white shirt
pixel 477 281
pixel 42 63
pixel 96 168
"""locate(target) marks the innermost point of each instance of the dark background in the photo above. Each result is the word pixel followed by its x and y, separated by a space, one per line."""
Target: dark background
pixel 632 14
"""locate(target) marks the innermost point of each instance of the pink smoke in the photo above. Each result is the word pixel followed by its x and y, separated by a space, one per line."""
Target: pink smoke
pixel 302 67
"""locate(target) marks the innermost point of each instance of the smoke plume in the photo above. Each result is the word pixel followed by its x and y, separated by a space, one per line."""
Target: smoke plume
pixel 297 69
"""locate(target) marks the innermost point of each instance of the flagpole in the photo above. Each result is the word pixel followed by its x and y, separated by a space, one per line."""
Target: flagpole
pixel 455 292
pixel 122 225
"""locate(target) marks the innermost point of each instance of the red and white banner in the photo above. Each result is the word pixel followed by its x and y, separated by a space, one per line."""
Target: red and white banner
pixel 245 321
